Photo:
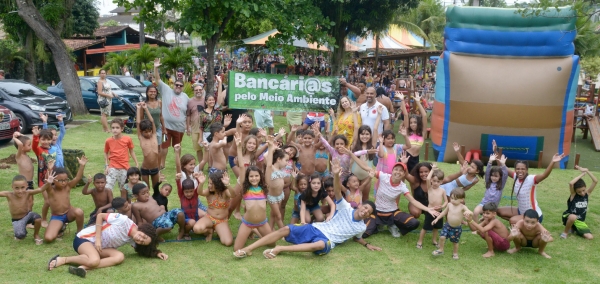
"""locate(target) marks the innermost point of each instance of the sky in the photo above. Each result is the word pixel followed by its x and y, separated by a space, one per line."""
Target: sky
pixel 104 6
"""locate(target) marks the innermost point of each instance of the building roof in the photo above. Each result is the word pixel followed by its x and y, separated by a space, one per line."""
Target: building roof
pixel 121 19
pixel 122 10
pixel 133 36
pixel 105 31
pixel 77 44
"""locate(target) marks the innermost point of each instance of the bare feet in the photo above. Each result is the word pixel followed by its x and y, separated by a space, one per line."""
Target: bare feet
pixel 241 253
pixel 30 226
pixel 161 240
pixel 513 250
pixel 187 237
pixel 488 254
pixel 181 235
pixel 544 254
pixel 209 234
pixel 44 223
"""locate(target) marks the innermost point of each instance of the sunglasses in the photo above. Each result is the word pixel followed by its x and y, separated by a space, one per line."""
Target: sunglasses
pixel 178 85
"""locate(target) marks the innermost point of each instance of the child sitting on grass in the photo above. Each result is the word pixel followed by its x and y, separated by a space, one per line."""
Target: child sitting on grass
pixel 491 230
pixel 121 206
pixel 577 205
pixel 452 229
pixel 147 209
pixel 23 145
pixel 190 203
pixel 18 205
pixel 529 232
pixel 437 199
pixel 161 192
pixel 133 178
pixel 102 198
pixel 59 198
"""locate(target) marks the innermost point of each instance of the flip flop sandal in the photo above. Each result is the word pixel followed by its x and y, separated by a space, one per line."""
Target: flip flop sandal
pixel 55 259
pixel 437 252
pixel 455 256
pixel 77 271
pixel 436 245
pixel 240 254
pixel 270 253
pixel 419 246
pixel 39 241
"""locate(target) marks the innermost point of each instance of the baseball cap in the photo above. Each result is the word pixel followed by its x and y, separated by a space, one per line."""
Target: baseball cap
pixel 400 164
pixel 180 69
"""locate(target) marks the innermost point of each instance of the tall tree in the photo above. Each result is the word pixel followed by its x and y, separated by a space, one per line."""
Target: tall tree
pixel 85 18
pixel 356 18
pixel 51 36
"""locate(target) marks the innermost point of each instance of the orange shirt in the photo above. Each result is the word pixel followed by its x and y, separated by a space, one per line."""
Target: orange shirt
pixel 118 151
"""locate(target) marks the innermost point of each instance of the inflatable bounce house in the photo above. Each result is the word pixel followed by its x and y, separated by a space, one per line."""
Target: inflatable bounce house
pixel 507 78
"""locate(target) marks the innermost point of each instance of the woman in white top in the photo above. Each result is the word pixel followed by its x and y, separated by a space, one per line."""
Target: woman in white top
pixel 115 230
pixel 105 96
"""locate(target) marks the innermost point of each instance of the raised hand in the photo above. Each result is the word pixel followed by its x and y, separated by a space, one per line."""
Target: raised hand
pixel 43 117
pixel 177 148
pixel 434 166
pixel 503 160
pixel 379 109
pixel 227 119
pixel 294 173
pixel 201 178
pixel 270 140
pixel 400 95
pixel 237 137
pixel 380 138
pixel 456 147
pixel 178 175
pixel 583 170
pixel 417 97
pixel 144 106
pixel 402 130
pixel 157 62
pixel 225 179
pixel 493 157
pixel 294 129
pixel 353 106
pixel 494 146
pixel 404 157
pixel 82 161
pixel 557 157
pixel 514 231
pixel 59 117
pixel 203 144
pixel 35 130
pixel 281 132
pixel 50 177
pixel 336 169
pixel 138 105
pixel 241 118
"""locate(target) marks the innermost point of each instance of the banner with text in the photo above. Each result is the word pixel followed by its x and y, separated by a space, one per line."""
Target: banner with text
pixel 282 93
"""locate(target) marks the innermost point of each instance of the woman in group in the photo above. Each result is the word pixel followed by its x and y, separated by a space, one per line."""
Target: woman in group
pixel 155 108
pixel 416 126
pixel 115 230
pixel 105 96
pixel 348 120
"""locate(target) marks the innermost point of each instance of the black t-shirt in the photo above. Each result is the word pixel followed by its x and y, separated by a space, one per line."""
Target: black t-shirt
pixel 577 206
pixel 308 198
pixel 160 199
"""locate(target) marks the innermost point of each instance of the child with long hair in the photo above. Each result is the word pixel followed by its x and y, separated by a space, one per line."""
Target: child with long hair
pixel 186 165
pixel 495 179
pixel 218 196
pixel 300 185
pixel 309 201
pixel 254 193
pixel 472 172
pixel 416 126
pixel 525 187
pixel 337 151
pixel 348 120
pixel 353 193
pixel 133 178
pixel 276 163
pixel 97 245
pixel 389 152
pixel 364 148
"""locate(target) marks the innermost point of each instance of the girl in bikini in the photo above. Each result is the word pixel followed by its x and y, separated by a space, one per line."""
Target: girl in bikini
pixel 218 195
pixel 275 173
pixel 470 172
pixel 291 166
pixel 309 201
pixel 389 152
pixel 416 126
pixel 322 161
pixel 340 142
pixel 254 193
pixel 364 148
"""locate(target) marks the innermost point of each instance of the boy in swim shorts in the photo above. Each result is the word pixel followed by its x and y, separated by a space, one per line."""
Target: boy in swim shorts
pixel 491 230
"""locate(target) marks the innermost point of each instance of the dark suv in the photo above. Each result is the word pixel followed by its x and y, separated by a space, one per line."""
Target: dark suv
pixel 28 101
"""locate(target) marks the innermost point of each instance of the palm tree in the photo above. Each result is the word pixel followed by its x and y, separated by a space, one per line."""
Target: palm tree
pixel 115 61
pixel 173 58
pixel 429 16
pixel 10 53
pixel 140 58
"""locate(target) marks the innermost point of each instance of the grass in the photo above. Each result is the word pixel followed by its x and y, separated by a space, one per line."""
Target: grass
pixel 574 260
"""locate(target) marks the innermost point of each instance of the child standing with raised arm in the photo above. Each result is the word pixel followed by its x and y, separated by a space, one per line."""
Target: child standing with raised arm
pixel 455 211
pixel 491 230
pixel 275 174
pixel 18 205
pixel 495 179
pixel 117 150
pixel 42 140
pixel 147 135
pixel 437 200
pixel 577 205
pixel 102 198
pixel 23 145
pixel 59 198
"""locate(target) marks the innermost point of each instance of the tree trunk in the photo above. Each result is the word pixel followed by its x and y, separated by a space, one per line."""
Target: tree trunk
pixel 210 65
pixel 376 52
pixel 339 34
pixel 62 60
pixel 30 75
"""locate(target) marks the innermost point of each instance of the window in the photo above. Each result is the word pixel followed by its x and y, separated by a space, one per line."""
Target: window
pixel 20 89
pixel 85 85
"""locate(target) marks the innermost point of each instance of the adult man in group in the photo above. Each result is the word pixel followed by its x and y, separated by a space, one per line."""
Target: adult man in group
pixel 368 112
pixel 174 108
pixel 320 237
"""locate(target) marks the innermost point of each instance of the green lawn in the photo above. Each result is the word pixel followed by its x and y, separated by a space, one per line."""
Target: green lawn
pixel 573 260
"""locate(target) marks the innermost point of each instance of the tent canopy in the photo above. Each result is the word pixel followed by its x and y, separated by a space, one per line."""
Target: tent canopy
pixel 261 39
pixel 392 38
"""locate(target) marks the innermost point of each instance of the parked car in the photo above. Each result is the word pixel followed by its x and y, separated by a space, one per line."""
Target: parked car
pixel 9 123
pixel 90 97
pixel 128 83
pixel 28 101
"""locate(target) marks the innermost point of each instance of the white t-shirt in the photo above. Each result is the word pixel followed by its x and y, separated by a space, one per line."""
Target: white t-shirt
pixel 526 194
pixel 369 114
pixel 115 231
pixel 185 176
pixel 342 226
pixel 385 199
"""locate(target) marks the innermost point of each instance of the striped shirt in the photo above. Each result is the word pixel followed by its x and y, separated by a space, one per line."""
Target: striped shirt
pixel 342 226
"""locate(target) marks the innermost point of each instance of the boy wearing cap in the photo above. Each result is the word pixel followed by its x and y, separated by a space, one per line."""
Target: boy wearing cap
pixel 391 186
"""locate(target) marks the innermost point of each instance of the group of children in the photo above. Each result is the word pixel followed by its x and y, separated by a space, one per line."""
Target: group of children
pixel 268 170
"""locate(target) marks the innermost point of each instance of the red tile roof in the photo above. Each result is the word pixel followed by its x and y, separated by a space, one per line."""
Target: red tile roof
pixel 77 44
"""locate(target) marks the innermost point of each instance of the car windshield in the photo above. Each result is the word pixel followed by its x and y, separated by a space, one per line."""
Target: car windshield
pixel 113 86
pixel 16 89
pixel 130 82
